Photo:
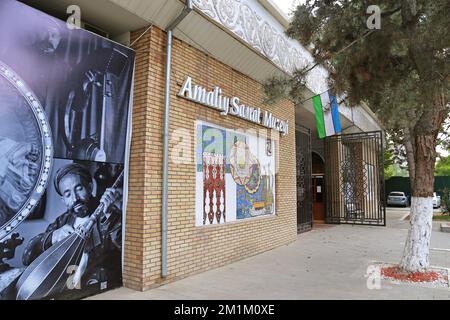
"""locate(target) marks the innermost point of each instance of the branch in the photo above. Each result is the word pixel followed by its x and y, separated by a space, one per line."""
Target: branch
pixel 341 50
pixel 410 154
pixel 390 12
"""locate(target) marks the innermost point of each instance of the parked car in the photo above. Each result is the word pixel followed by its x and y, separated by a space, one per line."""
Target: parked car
pixel 397 198
pixel 436 200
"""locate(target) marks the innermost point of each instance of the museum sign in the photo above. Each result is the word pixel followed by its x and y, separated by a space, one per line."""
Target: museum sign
pixel 231 105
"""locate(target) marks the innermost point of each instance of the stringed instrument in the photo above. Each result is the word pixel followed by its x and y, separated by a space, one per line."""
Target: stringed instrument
pixel 100 95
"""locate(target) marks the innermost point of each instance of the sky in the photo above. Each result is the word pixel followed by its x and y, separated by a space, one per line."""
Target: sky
pixel 286 5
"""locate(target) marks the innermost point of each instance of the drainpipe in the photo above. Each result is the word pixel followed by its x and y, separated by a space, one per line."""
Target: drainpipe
pixel 181 16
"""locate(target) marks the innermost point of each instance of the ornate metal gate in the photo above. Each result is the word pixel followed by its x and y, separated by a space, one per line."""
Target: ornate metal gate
pixel 354 177
pixel 304 196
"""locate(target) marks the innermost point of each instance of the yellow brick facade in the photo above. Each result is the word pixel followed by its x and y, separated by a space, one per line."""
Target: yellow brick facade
pixel 192 249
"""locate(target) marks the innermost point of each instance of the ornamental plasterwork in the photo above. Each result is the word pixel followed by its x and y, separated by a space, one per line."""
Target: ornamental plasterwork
pixel 266 37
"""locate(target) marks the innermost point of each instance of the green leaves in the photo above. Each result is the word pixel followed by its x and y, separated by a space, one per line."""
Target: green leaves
pixel 398 70
pixel 442 167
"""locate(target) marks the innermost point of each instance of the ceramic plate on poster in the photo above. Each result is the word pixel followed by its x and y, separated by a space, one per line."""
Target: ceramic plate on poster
pixel 26 150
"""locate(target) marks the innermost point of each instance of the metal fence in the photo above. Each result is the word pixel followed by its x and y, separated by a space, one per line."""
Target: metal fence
pixel 403 184
pixel 304 196
pixel 354 179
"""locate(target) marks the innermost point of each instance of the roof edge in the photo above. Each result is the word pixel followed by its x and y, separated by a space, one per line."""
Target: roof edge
pixel 276 12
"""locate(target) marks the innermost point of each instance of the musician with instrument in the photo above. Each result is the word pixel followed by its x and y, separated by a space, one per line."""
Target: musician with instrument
pixel 101 257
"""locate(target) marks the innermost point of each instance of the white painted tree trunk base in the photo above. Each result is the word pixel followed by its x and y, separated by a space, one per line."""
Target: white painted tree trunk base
pixel 417 247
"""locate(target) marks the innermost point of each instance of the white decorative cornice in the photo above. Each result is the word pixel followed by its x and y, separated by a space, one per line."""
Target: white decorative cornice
pixel 248 20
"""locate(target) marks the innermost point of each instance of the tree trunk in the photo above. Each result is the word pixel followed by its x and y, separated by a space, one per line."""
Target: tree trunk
pixel 417 247
pixel 409 147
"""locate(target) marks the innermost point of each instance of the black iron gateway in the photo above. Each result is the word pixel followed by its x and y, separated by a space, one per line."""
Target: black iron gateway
pixel 304 197
pixel 354 178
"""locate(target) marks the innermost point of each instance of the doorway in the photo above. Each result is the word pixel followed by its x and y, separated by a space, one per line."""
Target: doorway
pixel 355 179
pixel 318 188
pixel 304 197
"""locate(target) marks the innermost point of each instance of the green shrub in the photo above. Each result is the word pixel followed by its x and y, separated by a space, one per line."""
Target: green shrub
pixel 445 200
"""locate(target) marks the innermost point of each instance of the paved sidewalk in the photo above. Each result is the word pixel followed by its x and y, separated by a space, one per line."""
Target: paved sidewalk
pixel 329 262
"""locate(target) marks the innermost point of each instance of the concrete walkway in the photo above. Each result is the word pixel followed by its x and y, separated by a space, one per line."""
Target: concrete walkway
pixel 329 262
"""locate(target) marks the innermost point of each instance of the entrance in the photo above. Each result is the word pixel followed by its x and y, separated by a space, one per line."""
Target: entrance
pixel 303 160
pixel 318 188
pixel 355 179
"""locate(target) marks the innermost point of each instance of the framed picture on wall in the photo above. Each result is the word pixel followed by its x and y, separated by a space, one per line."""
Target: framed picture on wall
pixel 235 175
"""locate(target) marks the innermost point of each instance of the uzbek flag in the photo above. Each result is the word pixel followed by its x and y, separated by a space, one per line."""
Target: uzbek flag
pixel 327 114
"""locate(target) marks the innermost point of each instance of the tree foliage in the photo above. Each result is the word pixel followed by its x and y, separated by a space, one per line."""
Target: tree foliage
pixel 403 64
pixel 443 167
pixel 445 200
pixel 395 163
pixel 400 71
pixel 388 163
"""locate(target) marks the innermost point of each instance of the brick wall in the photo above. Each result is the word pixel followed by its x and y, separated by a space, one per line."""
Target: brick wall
pixel 192 249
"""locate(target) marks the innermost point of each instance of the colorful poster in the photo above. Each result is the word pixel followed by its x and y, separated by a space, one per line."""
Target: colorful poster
pixel 65 97
pixel 235 174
